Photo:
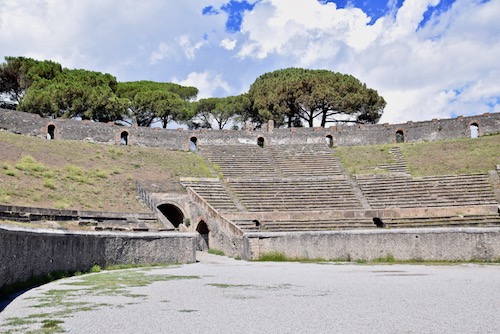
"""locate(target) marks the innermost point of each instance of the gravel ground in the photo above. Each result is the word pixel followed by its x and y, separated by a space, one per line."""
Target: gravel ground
pixel 222 295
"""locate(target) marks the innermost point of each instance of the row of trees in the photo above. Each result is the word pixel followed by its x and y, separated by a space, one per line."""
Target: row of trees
pixel 291 97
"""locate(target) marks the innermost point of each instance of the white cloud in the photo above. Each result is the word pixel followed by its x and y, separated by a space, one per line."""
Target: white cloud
pixel 209 84
pixel 414 68
pixel 161 53
pixel 449 66
pixel 228 43
pixel 189 47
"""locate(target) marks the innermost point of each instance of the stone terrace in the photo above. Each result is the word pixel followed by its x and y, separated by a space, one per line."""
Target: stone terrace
pixel 273 161
pixel 400 191
pixel 295 194
pixel 309 182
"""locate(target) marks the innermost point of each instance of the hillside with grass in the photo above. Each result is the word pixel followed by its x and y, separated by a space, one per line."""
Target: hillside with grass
pixel 87 176
pixel 451 157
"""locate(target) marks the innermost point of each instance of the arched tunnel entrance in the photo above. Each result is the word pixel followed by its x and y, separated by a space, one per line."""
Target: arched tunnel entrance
pixel 203 238
pixel 172 213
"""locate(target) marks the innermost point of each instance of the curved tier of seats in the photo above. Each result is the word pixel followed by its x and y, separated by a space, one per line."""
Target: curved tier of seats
pixel 273 161
pixel 295 194
pixel 399 191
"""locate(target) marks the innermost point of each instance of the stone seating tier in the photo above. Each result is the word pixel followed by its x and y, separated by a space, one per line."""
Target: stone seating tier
pixel 295 194
pixel 387 191
pixel 273 161
pixel 214 192
pixel 314 224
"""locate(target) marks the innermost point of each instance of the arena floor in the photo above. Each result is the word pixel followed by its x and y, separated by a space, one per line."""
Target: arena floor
pixel 223 295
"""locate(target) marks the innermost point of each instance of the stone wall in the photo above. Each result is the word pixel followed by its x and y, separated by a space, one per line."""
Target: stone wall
pixel 25 253
pixel 447 244
pixel 434 130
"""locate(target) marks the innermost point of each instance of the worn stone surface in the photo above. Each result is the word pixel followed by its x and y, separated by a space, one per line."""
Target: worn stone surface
pixel 31 252
pixel 446 244
pixel 434 130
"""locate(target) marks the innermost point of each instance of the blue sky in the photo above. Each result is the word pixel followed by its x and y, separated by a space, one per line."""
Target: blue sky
pixel 428 58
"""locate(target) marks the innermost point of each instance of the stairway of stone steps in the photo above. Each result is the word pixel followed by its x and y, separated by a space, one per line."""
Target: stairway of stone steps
pixel 215 193
pixel 304 160
pixel 239 160
pixel 386 191
pixel 399 165
pixel 295 194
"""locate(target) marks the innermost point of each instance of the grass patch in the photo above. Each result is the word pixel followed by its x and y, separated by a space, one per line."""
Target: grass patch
pixel 276 256
pixel 461 156
pixel 447 157
pixel 88 176
pixel 63 303
pixel 29 164
pixel 215 251
pixel 364 159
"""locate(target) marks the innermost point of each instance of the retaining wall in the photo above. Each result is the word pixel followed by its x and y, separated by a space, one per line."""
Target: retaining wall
pixel 342 135
pixel 25 253
pixel 449 244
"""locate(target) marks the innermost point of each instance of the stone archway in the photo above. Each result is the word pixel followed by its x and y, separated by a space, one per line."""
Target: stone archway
pixel 172 212
pixel 400 136
pixel 474 130
pixel 193 143
pixel 203 236
pixel 329 140
pixel 124 138
pixel 260 141
pixel 51 132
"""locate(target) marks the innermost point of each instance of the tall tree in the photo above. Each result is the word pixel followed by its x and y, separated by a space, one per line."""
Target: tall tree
pixel 17 74
pixel 76 93
pixel 151 101
pixel 291 94
pixel 220 110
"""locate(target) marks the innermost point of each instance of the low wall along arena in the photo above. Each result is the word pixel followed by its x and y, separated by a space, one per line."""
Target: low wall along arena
pixel 436 244
pixel 26 253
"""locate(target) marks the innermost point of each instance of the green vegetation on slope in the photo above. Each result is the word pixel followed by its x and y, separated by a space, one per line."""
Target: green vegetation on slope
pixel 75 175
pixel 450 157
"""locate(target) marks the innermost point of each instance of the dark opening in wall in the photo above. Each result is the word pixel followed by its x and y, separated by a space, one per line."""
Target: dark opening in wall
pixel 204 232
pixel 51 131
pixel 378 222
pixel 400 136
pixel 329 140
pixel 172 213
pixel 260 141
pixel 124 138
pixel 474 130
pixel 193 141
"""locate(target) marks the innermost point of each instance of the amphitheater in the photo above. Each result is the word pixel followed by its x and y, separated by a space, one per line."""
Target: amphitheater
pixel 279 190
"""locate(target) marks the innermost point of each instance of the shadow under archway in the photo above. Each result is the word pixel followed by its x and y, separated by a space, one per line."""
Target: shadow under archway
pixel 203 238
pixel 172 213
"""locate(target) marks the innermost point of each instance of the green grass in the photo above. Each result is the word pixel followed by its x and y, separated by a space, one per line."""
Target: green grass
pixel 61 302
pixel 216 252
pixel 449 157
pixel 87 176
pixel 277 256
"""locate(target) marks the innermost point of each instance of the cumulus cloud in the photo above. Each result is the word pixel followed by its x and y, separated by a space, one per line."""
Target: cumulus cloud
pixel 209 84
pixel 189 47
pixel 228 44
pixel 426 63
pixel 414 66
